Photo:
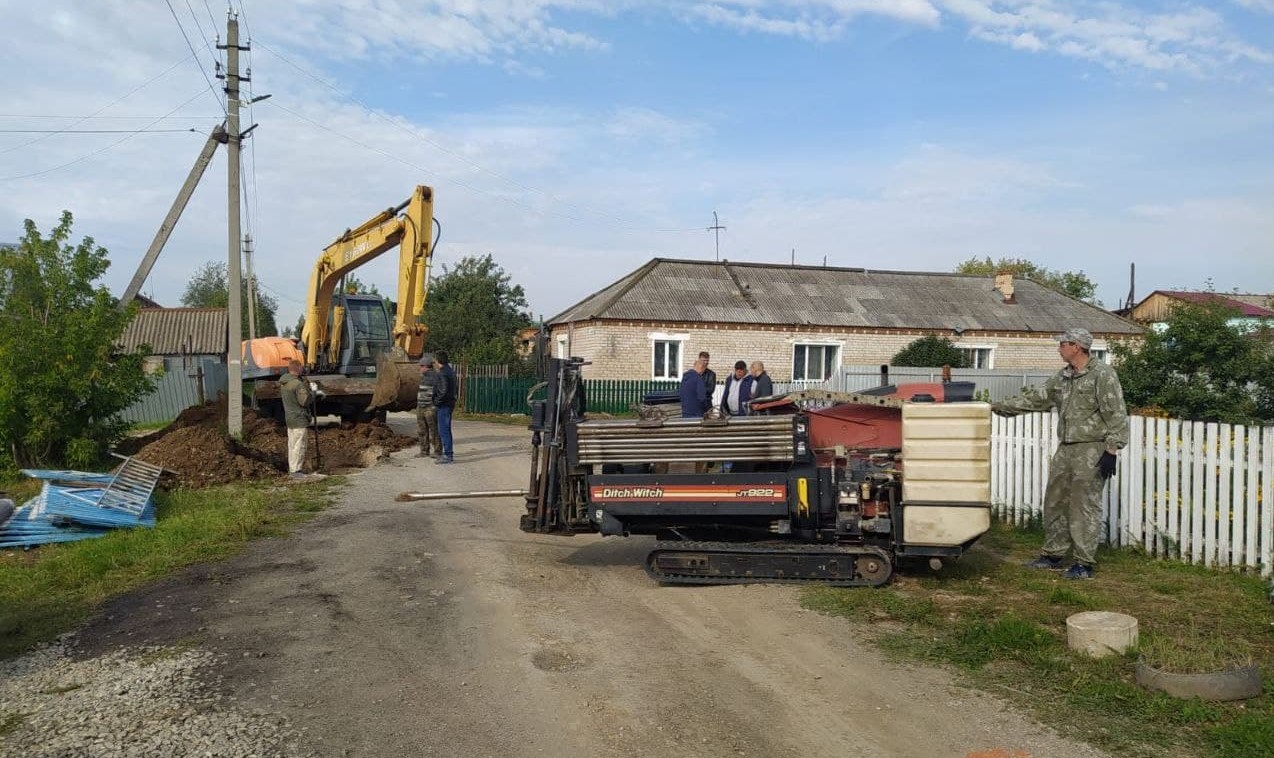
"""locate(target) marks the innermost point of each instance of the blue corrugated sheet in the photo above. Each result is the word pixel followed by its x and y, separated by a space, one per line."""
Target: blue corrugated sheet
pixel 75 505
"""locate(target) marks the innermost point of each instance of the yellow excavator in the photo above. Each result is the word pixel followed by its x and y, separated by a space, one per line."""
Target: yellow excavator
pixel 362 355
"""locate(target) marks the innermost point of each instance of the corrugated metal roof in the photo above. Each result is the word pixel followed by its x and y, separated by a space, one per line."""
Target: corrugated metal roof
pixel 756 293
pixel 172 331
pixel 1254 306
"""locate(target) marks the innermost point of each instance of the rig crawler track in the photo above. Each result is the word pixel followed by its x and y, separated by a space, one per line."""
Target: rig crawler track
pixel 734 563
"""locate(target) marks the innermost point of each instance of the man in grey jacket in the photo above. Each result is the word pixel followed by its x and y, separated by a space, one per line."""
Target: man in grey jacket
pixel 1092 428
pixel 296 395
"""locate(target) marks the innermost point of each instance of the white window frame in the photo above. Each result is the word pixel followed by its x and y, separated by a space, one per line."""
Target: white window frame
pixel 675 371
pixel 1100 351
pixel 837 347
pixel 973 346
pixel 562 342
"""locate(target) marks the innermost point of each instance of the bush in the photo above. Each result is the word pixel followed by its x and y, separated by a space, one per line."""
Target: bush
pixel 63 381
pixel 931 352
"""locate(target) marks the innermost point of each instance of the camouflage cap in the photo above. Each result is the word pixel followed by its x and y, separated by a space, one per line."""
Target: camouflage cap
pixel 1081 337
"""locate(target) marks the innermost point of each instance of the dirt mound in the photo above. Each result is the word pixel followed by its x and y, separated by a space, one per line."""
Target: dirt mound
pixel 196 448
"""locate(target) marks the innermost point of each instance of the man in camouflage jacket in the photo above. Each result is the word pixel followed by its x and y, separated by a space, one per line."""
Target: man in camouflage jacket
pixel 427 408
pixel 1092 428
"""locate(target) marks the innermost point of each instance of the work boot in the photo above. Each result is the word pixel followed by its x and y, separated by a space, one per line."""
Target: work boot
pixel 1078 571
pixel 444 459
pixel 424 454
pixel 1049 562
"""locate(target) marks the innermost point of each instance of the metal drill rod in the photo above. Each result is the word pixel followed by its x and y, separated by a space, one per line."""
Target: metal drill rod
pixel 412 496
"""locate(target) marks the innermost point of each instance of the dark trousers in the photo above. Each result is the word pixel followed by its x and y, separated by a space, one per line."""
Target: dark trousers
pixel 444 429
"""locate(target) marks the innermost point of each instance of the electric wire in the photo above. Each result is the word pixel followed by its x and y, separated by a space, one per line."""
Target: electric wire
pixel 111 104
pixel 114 118
pixel 211 20
pixel 93 131
pixel 101 150
pixel 623 223
pixel 199 26
pixel 182 29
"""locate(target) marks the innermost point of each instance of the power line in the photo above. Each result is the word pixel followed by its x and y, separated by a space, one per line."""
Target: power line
pixel 111 104
pixel 182 29
pixel 117 118
pixel 624 223
pixel 199 26
pixel 212 22
pixel 93 131
pixel 101 150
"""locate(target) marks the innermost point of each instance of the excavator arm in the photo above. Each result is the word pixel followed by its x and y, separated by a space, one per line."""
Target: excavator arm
pixel 409 226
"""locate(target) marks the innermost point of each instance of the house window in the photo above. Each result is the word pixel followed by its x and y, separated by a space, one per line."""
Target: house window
pixel 561 347
pixel 1098 354
pixel 980 356
pixel 814 363
pixel 667 359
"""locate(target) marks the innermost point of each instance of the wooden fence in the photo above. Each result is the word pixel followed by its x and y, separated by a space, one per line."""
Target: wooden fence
pixel 1197 492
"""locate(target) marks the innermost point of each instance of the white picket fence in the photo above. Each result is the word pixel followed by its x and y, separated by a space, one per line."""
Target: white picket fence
pixel 1197 492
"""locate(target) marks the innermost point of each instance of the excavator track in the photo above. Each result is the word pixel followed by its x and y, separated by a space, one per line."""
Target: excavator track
pixel 748 563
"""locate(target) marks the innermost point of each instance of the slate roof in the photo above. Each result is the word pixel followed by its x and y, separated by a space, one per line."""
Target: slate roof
pixel 172 331
pixel 758 293
pixel 1248 305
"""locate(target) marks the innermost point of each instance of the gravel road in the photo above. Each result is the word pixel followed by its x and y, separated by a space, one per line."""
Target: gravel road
pixel 439 629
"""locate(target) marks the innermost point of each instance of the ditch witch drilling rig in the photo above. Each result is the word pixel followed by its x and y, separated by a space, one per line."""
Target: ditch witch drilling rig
pixel 830 488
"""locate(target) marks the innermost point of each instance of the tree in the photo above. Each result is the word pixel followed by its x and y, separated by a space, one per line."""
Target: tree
pixel 210 288
pixel 63 381
pixel 474 311
pixel 931 351
pixel 1200 367
pixel 1073 283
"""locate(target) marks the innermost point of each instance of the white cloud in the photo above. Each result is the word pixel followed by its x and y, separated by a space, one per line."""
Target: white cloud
pixel 1191 40
pixel 650 125
pixel 1266 6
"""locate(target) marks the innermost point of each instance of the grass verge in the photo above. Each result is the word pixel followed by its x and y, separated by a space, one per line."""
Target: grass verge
pixel 1003 627
pixel 51 589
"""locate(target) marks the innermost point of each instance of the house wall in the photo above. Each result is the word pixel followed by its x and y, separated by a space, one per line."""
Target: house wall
pixel 623 350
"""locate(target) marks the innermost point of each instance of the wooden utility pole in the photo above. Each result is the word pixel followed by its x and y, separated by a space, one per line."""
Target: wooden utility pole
pixel 234 353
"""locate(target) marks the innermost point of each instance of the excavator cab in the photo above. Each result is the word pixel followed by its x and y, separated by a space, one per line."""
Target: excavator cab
pixel 364 333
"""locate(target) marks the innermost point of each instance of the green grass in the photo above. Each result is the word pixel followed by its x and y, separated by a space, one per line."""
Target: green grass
pixel 51 589
pixel 1002 627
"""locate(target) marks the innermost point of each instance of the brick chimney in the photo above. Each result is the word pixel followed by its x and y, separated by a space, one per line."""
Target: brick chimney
pixel 1004 285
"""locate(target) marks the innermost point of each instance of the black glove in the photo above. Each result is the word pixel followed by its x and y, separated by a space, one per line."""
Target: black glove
pixel 1107 464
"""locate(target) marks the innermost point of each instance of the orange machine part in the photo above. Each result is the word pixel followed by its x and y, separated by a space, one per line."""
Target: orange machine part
pixel 271 354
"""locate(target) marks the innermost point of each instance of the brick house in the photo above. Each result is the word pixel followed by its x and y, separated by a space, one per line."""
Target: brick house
pixel 804 322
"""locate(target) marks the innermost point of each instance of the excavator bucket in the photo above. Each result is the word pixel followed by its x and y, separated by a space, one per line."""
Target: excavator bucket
pixel 397 379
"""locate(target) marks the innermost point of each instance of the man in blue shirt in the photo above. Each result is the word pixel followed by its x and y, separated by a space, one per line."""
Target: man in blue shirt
pixel 694 395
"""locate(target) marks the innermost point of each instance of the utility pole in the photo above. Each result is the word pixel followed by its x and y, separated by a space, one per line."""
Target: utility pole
pixel 234 353
pixel 716 232
pixel 252 287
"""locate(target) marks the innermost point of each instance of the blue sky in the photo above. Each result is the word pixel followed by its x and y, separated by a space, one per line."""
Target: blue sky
pixel 575 139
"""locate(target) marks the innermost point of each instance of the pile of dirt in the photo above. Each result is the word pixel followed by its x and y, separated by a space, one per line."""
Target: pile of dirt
pixel 199 453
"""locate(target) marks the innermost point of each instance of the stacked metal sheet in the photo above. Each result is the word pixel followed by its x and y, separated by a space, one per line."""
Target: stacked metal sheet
pixel 755 438
pixel 77 505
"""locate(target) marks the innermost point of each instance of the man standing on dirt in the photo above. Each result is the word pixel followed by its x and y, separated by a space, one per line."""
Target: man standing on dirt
pixel 445 398
pixel 427 408
pixel 1092 427
pixel 295 394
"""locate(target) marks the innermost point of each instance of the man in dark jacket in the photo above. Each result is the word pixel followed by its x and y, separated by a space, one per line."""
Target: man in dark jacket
pixel 738 391
pixel 762 386
pixel 445 399
pixel 709 376
pixel 295 394
pixel 427 408
pixel 695 400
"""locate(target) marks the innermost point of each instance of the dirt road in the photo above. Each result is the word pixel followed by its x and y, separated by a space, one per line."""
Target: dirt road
pixel 438 628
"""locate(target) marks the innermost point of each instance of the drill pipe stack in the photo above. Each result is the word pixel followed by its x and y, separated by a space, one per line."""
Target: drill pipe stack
pixel 740 438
